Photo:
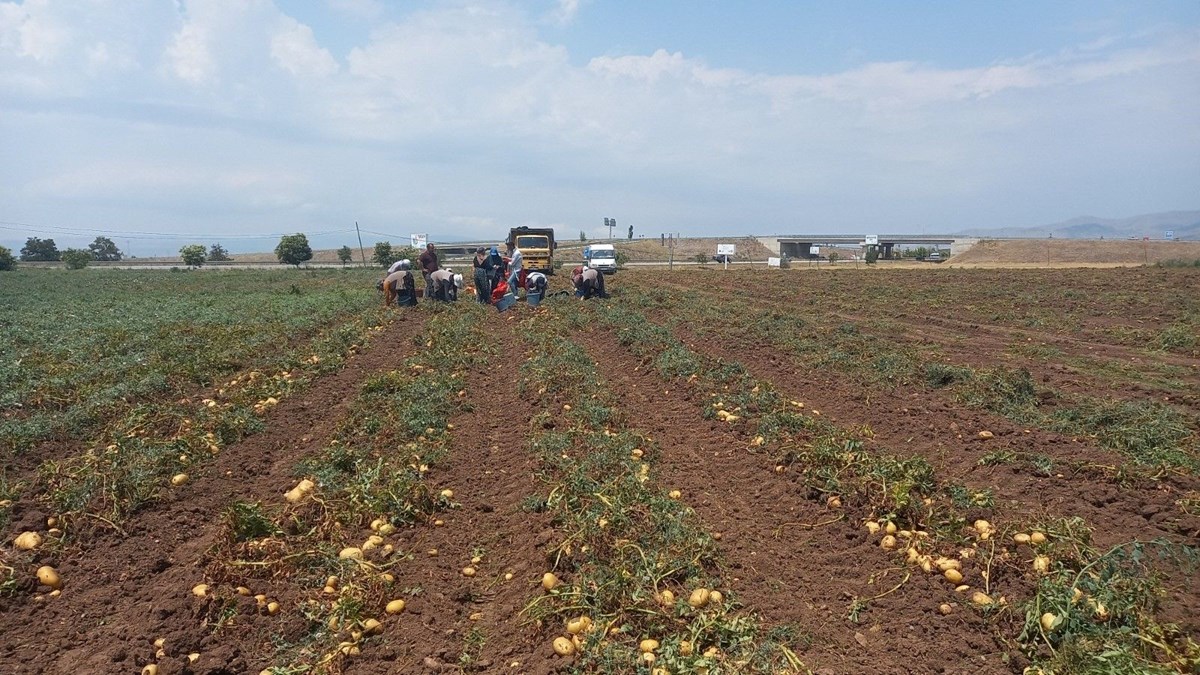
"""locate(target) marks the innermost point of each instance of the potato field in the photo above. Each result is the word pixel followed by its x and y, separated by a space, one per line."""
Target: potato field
pixel 744 471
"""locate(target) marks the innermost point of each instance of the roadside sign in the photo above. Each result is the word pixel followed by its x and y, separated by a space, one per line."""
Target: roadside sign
pixel 772 262
pixel 871 240
pixel 726 249
pixel 1169 235
pixel 418 240
pixel 814 250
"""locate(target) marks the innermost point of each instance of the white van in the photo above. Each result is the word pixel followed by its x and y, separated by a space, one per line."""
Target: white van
pixel 601 257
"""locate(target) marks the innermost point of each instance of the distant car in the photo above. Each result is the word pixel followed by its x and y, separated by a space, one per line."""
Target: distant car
pixel 723 258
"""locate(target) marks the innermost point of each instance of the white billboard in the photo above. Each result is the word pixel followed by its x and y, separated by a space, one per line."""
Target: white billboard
pixel 814 250
pixel 419 240
pixel 726 249
pixel 871 240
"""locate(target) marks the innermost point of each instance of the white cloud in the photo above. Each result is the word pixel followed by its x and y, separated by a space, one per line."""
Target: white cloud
pixel 30 31
pixel 189 57
pixel 295 50
pixel 485 122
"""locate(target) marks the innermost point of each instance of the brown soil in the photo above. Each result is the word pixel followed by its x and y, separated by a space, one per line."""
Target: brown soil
pixel 788 557
pixel 491 472
pixel 124 591
pixel 1049 252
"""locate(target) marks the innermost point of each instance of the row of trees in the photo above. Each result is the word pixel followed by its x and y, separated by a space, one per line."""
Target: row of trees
pixel 293 249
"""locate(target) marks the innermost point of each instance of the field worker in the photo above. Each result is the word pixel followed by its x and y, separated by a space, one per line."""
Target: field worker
pixel 498 269
pixel 396 265
pixel 577 280
pixel 399 286
pixel 429 265
pixel 514 266
pixel 535 283
pixel 442 282
pixel 591 283
pixel 483 276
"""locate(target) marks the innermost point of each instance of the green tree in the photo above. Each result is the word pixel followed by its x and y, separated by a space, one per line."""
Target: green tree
pixel 406 253
pixel 104 250
pixel 193 255
pixel 384 256
pixel 622 258
pixel 701 258
pixel 217 253
pixel 345 255
pixel 872 255
pixel 7 261
pixel 582 235
pixel 631 233
pixel 293 249
pixel 40 250
pixel 76 258
pixel 833 257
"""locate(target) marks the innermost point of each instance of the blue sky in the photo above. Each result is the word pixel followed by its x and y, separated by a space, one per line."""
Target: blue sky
pixel 163 123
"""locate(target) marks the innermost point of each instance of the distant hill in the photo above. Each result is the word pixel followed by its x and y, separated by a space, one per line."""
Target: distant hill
pixel 1186 225
pixel 1074 252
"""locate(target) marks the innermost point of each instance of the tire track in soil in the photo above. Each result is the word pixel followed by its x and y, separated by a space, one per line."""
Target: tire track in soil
pixel 491 471
pixel 122 592
pixel 930 429
pixel 803 577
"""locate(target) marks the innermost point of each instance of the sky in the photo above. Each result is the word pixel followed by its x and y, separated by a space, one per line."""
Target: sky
pixel 160 123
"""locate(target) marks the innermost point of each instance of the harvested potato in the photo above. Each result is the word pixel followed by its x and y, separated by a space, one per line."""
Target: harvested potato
pixel 27 541
pixel 395 607
pixel 563 646
pixel 49 576
pixel 699 597
pixel 549 581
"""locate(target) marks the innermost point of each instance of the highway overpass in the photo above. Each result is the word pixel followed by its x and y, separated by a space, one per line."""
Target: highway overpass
pixel 798 245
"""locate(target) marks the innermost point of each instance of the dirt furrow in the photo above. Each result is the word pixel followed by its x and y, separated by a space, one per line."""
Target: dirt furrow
pixel 125 590
pixel 474 623
pixel 916 424
pixel 788 558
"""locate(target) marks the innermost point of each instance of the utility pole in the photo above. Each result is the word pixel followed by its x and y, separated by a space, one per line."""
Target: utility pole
pixel 610 223
pixel 361 253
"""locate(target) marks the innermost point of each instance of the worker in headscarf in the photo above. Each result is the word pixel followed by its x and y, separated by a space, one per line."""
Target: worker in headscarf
pixel 445 284
pixel 483 275
pixel 399 286
pixel 588 283
pixel 535 282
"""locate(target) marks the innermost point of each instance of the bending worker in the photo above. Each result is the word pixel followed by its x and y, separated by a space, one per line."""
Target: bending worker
pixel 399 286
pixel 589 283
pixel 535 282
pixel 445 285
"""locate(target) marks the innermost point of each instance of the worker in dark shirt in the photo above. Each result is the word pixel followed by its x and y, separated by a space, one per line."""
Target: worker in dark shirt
pixel 429 265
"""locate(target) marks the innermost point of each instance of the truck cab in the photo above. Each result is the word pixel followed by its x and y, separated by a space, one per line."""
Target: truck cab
pixel 537 247
pixel 601 257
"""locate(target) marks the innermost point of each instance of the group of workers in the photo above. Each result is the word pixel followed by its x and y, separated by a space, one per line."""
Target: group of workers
pixel 495 276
